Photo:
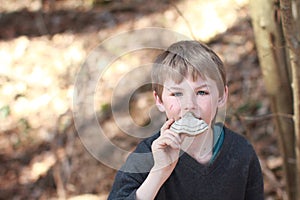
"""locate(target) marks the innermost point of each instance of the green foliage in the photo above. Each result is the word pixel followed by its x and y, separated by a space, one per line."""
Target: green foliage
pixel 24 125
pixel 105 107
pixel 249 107
pixel 4 112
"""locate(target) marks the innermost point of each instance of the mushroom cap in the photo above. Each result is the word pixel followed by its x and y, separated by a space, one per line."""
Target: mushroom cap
pixel 189 124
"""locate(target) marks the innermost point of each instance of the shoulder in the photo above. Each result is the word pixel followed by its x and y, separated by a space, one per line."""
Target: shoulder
pixel 236 137
pixel 141 159
pixel 145 145
pixel 237 150
pixel 238 143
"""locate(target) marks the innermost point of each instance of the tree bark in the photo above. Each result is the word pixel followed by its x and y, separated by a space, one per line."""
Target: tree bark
pixel 291 33
pixel 277 75
pixel 296 11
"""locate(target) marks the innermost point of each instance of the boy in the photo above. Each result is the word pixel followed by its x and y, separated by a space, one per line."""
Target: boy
pixel 215 164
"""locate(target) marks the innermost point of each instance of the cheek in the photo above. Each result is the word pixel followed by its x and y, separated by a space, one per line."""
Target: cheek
pixel 208 107
pixel 172 106
pixel 204 103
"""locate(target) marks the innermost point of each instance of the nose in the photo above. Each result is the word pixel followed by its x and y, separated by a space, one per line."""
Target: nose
pixel 189 103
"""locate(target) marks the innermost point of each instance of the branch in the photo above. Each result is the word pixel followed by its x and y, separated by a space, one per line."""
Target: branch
pixel 266 116
pixel 291 36
pixel 289 25
pixel 184 19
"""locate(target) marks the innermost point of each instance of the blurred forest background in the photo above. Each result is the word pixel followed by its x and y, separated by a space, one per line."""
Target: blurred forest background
pixel 43 44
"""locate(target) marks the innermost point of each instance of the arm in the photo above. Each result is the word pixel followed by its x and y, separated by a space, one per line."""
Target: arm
pixel 165 150
pixel 139 178
pixel 151 185
pixel 255 187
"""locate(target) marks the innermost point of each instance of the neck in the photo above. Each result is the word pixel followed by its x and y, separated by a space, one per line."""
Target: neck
pixel 200 147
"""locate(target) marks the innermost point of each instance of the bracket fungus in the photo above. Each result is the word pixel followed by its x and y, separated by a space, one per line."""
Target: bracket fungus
pixel 189 124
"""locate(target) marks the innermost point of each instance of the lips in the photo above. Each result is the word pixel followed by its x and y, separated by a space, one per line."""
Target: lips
pixel 189 124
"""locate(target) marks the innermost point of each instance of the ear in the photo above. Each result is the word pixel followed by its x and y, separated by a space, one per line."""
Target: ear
pixel 158 102
pixel 223 99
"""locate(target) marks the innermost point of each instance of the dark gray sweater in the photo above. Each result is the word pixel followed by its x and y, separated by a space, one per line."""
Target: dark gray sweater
pixel 235 174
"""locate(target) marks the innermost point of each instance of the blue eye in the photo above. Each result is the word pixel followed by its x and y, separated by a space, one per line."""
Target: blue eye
pixel 202 93
pixel 177 94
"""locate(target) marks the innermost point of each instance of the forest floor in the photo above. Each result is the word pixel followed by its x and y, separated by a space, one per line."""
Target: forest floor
pixel 43 47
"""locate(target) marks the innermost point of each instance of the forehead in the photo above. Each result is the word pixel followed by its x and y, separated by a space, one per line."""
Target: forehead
pixel 189 82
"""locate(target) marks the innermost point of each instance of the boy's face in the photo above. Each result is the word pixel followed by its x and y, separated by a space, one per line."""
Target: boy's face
pixel 200 97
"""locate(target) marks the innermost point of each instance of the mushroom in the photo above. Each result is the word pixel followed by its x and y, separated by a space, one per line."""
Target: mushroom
pixel 189 124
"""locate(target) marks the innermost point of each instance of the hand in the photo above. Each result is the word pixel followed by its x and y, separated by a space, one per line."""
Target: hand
pixel 166 149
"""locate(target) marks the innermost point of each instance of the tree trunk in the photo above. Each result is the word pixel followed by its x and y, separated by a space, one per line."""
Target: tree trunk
pixel 277 75
pixel 291 33
pixel 296 6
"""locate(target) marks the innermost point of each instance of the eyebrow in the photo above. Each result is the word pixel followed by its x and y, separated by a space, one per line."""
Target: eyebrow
pixel 175 88
pixel 203 86
pixel 199 87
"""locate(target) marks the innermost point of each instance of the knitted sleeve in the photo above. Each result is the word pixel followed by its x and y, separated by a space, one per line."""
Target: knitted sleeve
pixel 124 187
pixel 133 173
pixel 255 188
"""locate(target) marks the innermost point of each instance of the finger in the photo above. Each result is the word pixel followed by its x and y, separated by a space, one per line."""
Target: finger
pixel 174 136
pixel 167 125
pixel 168 140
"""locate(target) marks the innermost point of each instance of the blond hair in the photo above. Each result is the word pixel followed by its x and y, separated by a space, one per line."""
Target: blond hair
pixel 187 58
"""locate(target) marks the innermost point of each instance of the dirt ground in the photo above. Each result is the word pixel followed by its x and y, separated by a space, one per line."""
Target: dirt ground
pixel 43 44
